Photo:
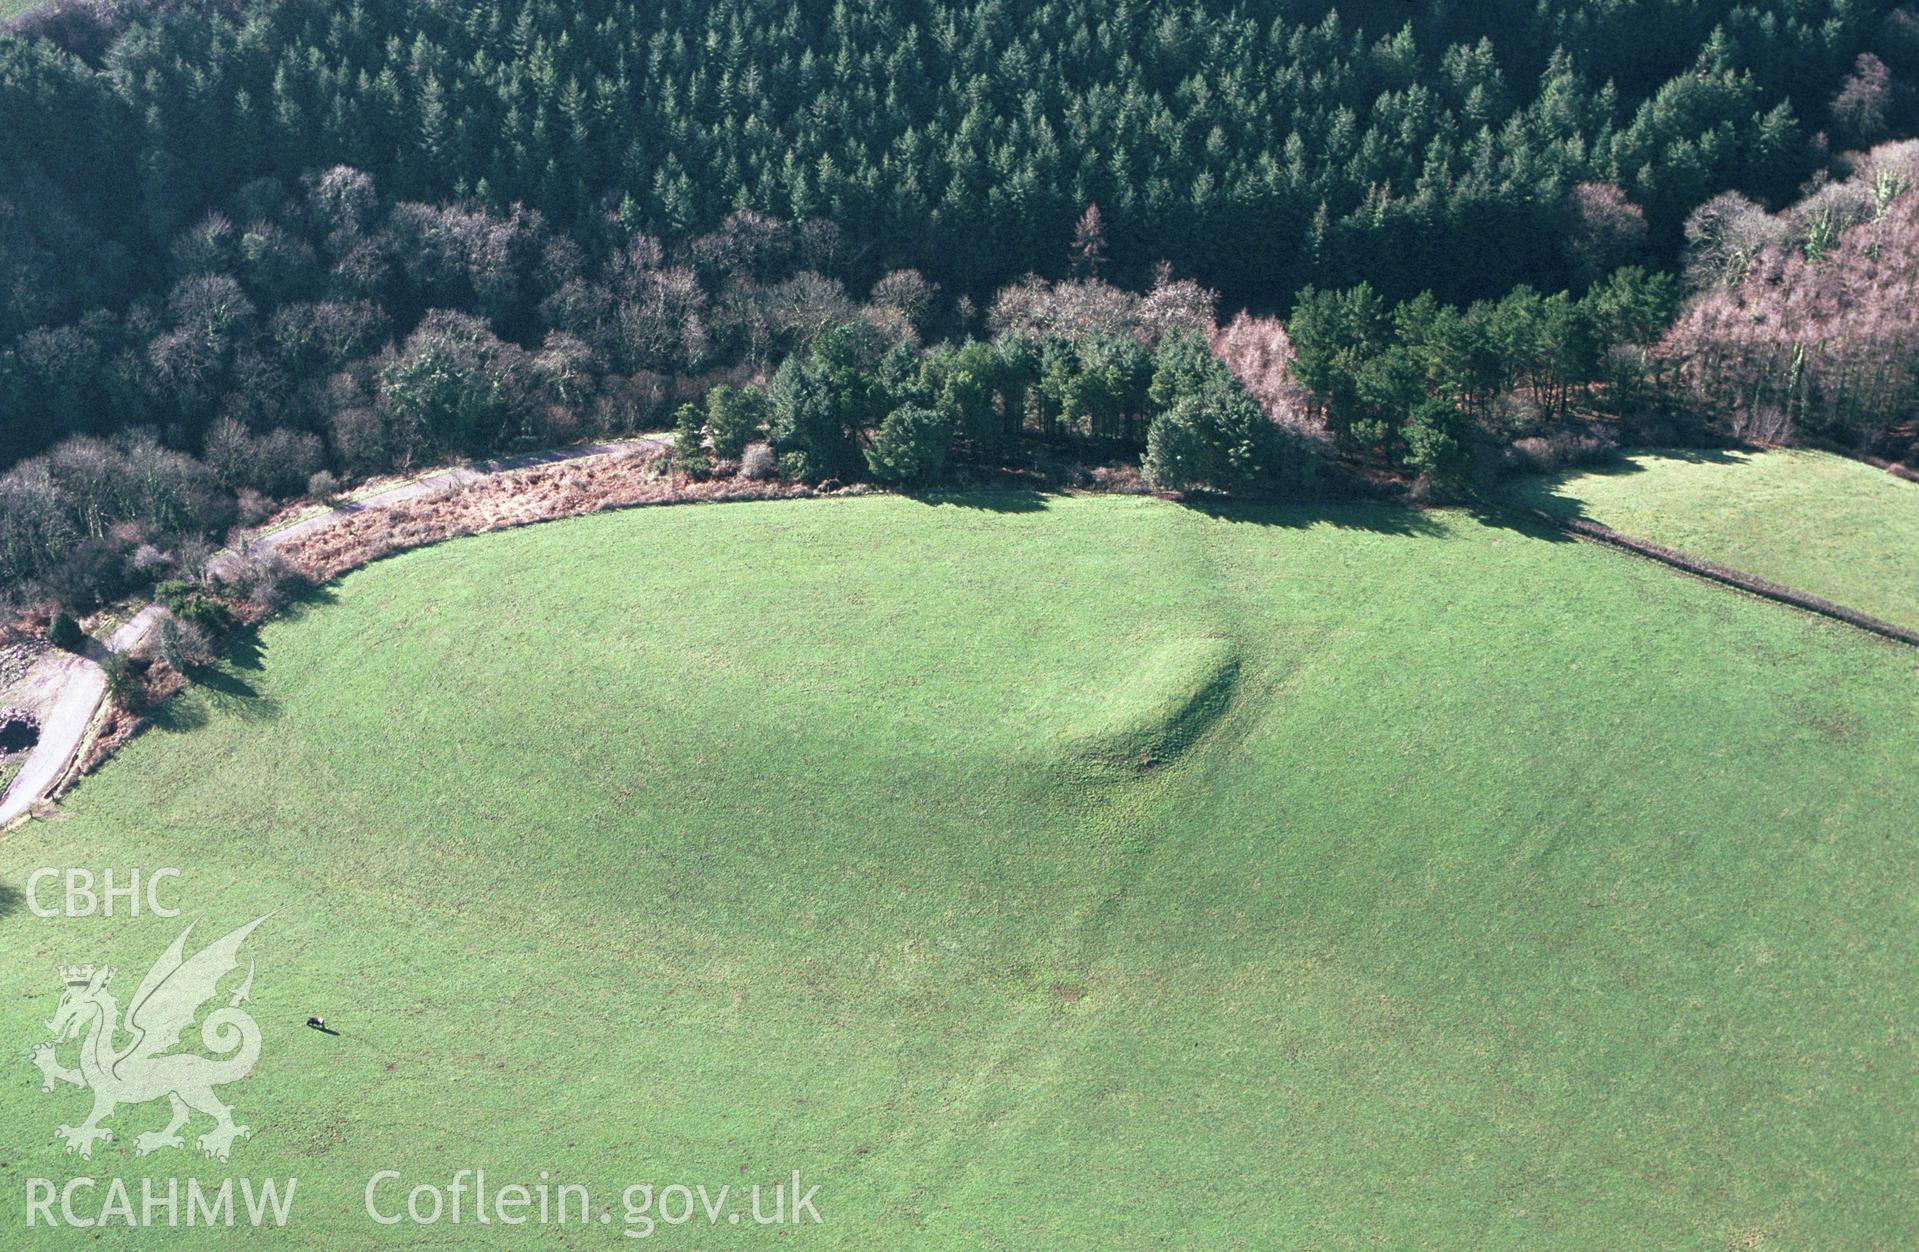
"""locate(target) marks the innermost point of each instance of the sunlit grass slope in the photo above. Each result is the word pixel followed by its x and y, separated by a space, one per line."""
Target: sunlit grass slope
pixel 1835 527
pixel 1031 873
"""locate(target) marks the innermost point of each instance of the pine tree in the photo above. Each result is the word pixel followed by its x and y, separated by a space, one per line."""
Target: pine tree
pixel 1088 249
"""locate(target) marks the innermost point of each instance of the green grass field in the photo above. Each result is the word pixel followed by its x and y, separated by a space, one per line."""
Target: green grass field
pixel 1033 873
pixel 1821 523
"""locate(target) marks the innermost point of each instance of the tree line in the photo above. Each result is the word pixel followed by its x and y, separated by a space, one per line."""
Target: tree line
pixel 250 253
pixel 1079 363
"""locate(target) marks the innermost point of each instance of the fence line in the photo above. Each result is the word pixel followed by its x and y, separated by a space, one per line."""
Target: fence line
pixel 1777 592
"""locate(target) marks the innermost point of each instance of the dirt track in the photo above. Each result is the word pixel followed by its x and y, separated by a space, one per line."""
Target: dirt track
pixel 66 690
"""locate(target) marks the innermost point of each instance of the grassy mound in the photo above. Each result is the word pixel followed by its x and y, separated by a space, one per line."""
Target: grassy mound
pixel 1813 521
pixel 1484 888
pixel 1174 695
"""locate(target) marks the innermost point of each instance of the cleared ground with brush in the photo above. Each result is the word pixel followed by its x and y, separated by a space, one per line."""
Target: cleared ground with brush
pixel 1838 528
pixel 1041 872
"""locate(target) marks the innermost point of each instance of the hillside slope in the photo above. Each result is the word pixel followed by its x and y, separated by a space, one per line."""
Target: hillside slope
pixel 1040 872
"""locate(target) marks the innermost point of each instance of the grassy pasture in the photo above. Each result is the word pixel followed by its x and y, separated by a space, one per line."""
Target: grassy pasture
pixel 1822 523
pixel 1031 873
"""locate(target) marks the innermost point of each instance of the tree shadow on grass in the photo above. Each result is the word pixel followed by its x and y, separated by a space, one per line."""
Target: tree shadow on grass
pixel 1627 461
pixel 11 898
pixel 1540 505
pixel 307 600
pixel 1547 491
pixel 1372 516
pixel 217 690
pixel 1692 456
pixel 223 684
pixel 1524 520
pixel 1376 516
pixel 184 712
pixel 240 651
pixel 224 687
pixel 985 500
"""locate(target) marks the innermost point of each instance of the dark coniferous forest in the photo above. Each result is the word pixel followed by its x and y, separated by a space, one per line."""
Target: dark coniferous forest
pixel 245 245
pixel 1255 147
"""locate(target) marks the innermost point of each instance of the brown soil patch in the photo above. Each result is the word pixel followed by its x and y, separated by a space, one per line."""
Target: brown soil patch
pixel 117 726
pixel 514 498
pixel 161 682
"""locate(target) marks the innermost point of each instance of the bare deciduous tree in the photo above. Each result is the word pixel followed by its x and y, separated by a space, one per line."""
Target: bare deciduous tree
pixel 1260 355
pixel 1606 230
pixel 1794 339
